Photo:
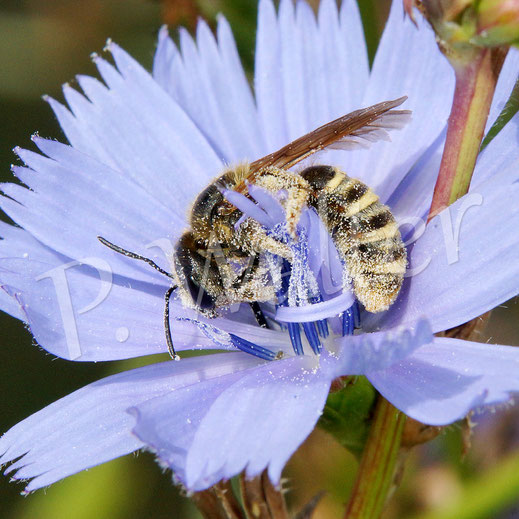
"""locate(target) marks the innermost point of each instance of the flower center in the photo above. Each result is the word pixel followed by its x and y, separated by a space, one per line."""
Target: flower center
pixel 304 302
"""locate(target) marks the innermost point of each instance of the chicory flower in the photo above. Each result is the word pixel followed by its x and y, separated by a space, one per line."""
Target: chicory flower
pixel 143 146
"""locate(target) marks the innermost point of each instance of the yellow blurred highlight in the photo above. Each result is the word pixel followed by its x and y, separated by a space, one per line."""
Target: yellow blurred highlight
pixel 113 490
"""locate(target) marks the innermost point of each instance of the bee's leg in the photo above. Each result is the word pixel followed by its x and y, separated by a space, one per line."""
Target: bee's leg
pixel 247 275
pixel 297 188
pixel 259 315
pixel 255 290
pixel 249 272
pixel 254 280
pixel 220 259
pixel 256 240
pixel 249 286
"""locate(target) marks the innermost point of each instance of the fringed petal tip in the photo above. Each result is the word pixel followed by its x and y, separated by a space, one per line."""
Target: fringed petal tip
pixel 109 45
pixel 93 425
pixel 163 33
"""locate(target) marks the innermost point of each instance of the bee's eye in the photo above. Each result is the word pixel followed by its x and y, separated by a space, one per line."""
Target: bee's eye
pixel 202 299
pixel 207 204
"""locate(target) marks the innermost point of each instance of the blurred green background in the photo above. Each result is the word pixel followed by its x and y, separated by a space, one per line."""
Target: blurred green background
pixel 44 43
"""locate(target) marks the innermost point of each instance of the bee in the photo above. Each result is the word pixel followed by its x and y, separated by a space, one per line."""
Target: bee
pixel 217 261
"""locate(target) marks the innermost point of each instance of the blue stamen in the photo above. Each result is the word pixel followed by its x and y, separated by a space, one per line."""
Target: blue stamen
pixel 285 277
pixel 356 315
pixel 348 321
pixel 313 339
pixel 322 328
pixel 295 337
pixel 253 349
pixel 313 330
pixel 322 325
pixel 294 330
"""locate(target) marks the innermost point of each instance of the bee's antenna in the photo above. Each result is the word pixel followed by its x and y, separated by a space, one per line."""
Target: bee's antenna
pixel 167 296
pixel 132 255
pixel 167 327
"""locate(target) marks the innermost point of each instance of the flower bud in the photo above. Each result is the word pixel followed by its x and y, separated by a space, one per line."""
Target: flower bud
pixel 464 27
pixel 498 22
pixel 445 10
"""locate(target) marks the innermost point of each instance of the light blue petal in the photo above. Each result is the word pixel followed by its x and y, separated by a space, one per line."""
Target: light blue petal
pixel 257 419
pixel 168 425
pixel 81 312
pixel 502 151
pixel 127 323
pixel 344 57
pixel 291 72
pixel 78 135
pixel 412 198
pixel 407 63
pixel 209 83
pixel 267 81
pixel 10 305
pixel 307 73
pixel 92 426
pixel 356 56
pixel 135 128
pixel 318 105
pixel 156 151
pixel 168 131
pixel 364 353
pixel 165 55
pixel 452 280
pixel 74 198
pixel 441 382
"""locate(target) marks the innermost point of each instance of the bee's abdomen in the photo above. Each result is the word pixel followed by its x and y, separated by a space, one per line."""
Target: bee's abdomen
pixel 364 232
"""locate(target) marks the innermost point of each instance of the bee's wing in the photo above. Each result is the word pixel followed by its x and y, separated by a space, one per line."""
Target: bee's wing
pixel 355 130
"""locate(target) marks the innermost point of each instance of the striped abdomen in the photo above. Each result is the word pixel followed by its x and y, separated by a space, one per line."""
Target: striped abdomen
pixel 364 232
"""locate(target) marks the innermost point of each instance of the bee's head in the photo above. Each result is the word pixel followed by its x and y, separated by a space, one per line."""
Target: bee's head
pixel 198 276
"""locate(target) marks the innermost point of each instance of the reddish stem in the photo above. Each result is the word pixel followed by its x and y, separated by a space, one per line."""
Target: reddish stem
pixel 475 84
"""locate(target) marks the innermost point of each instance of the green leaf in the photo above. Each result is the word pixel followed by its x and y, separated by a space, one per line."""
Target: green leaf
pixel 348 412
pixel 510 109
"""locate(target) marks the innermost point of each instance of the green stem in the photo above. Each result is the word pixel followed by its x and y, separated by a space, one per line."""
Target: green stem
pixel 377 465
pixel 476 80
